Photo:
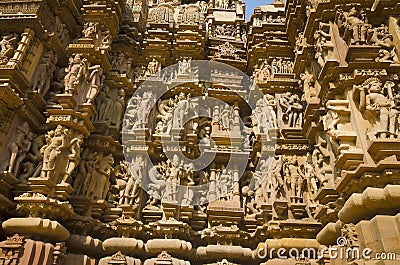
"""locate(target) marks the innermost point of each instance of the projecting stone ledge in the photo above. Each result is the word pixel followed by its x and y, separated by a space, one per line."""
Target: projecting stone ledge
pixel 371 202
pixel 37 229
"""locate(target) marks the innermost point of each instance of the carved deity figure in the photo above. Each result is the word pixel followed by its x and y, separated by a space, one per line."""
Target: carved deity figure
pixel 34 162
pixel 61 30
pixel 44 74
pixel 75 72
pixel 181 111
pixel 294 178
pixel 105 105
pixel 133 181
pixel 95 81
pixel 380 104
pixel 292 110
pixel 101 171
pixel 74 156
pixel 308 82
pixel 224 184
pixel 90 29
pixel 56 142
pixel 7 47
pixel 18 148
pixel 355 24
pixel 264 116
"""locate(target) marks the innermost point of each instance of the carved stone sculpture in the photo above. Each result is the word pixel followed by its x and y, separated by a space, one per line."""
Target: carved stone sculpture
pixel 292 110
pixel 44 74
pixel 95 81
pixel 354 24
pixel 7 46
pixel 75 72
pixel 18 148
pixel 380 105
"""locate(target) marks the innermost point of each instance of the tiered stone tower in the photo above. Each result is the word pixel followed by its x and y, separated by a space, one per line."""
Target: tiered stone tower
pixel 104 106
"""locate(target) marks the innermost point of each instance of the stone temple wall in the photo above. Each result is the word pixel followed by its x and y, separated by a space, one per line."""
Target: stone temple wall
pixel 109 111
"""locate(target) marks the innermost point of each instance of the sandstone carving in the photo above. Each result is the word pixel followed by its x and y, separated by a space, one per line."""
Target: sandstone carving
pixel 181 132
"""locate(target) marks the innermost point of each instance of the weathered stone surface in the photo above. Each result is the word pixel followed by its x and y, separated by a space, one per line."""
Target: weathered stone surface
pixel 119 145
pixel 37 228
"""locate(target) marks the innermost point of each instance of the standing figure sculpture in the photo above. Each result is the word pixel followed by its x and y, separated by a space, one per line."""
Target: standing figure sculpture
pixel 95 82
pixel 57 141
pixel 181 111
pixel 133 180
pixel 355 24
pixel 44 73
pixel 381 105
pixel 75 71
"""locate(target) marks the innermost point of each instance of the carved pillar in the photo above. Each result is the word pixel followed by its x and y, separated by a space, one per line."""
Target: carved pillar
pixel 23 45
pixel 212 192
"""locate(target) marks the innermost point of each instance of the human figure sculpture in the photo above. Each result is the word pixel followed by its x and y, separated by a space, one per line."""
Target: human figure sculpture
pixel 118 108
pixel 181 111
pixel 90 30
pixel 61 30
pixel 292 110
pixel 143 110
pixel 273 186
pixel 80 181
pixel 308 82
pixel 44 73
pixel 75 71
pixel 57 141
pixel 100 176
pixel 153 67
pixel 226 117
pixel 73 157
pixel 374 100
pixel 156 186
pixel 294 178
pixel 32 166
pixel 133 181
pixel 104 105
pixel 357 25
pixel 7 46
pixel 22 153
pixel 16 147
pixel 95 81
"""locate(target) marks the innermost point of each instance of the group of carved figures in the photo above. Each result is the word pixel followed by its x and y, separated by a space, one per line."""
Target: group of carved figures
pixel 292 110
pixel 224 4
pixel 53 157
pixel 167 181
pixel 109 106
pixel 83 79
pixel 174 112
pixel 284 178
pixel 257 22
pixel 93 175
pixel 265 70
pixel 138 111
pixel 355 28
